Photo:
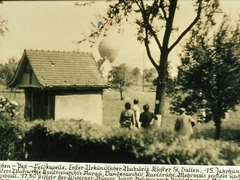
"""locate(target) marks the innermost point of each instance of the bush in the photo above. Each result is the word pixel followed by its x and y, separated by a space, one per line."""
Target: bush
pixel 80 141
pixel 11 142
pixel 72 141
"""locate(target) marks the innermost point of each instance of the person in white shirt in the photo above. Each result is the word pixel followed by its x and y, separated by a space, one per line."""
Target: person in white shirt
pixel 136 111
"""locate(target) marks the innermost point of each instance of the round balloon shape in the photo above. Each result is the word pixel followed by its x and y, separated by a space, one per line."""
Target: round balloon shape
pixel 108 48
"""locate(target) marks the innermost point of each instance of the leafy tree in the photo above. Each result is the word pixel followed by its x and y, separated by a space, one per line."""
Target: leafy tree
pixel 135 75
pixel 119 78
pixel 7 70
pixel 209 74
pixel 150 77
pixel 170 87
pixel 155 22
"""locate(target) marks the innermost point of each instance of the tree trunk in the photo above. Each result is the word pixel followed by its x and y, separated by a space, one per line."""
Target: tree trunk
pixel 161 84
pixel 121 94
pixel 160 98
pixel 217 120
pixel 163 65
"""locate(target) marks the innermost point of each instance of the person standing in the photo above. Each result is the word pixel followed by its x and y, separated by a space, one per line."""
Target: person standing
pixel 184 124
pixel 146 117
pixel 127 118
pixel 136 111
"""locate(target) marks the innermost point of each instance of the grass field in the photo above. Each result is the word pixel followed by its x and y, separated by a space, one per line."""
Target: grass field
pixel 112 106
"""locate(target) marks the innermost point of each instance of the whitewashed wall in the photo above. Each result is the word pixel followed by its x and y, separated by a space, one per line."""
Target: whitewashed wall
pixel 87 107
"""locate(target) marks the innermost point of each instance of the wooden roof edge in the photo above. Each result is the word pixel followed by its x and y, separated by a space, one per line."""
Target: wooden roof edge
pixel 58 51
pixel 17 73
pixel 77 87
pixel 29 86
pixel 12 82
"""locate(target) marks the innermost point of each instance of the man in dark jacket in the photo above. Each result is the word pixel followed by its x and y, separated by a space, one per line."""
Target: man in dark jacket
pixel 146 117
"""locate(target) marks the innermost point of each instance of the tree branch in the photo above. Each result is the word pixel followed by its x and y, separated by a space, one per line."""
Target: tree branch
pixel 146 40
pixel 94 33
pixel 163 10
pixel 168 29
pixel 189 27
pixel 147 25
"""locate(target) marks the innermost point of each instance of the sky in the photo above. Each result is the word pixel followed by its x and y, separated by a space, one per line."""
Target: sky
pixel 58 25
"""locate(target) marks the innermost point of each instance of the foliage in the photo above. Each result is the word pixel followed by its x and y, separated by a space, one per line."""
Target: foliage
pixel 11 143
pixel 7 70
pixel 88 143
pixel 149 75
pixel 79 141
pixel 209 74
pixel 3 27
pixel 135 76
pixel 155 25
pixel 191 102
pixel 170 85
pixel 119 78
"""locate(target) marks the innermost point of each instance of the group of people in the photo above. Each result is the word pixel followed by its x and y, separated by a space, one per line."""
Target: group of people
pixel 131 117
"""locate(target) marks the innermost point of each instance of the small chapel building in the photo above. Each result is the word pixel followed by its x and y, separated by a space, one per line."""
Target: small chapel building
pixel 60 85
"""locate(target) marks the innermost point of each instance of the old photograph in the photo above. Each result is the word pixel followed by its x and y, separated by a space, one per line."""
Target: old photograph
pixel 146 83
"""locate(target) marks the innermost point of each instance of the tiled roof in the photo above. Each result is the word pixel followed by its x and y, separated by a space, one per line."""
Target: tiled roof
pixel 63 69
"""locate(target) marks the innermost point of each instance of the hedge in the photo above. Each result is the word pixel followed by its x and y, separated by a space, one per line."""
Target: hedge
pixel 80 141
